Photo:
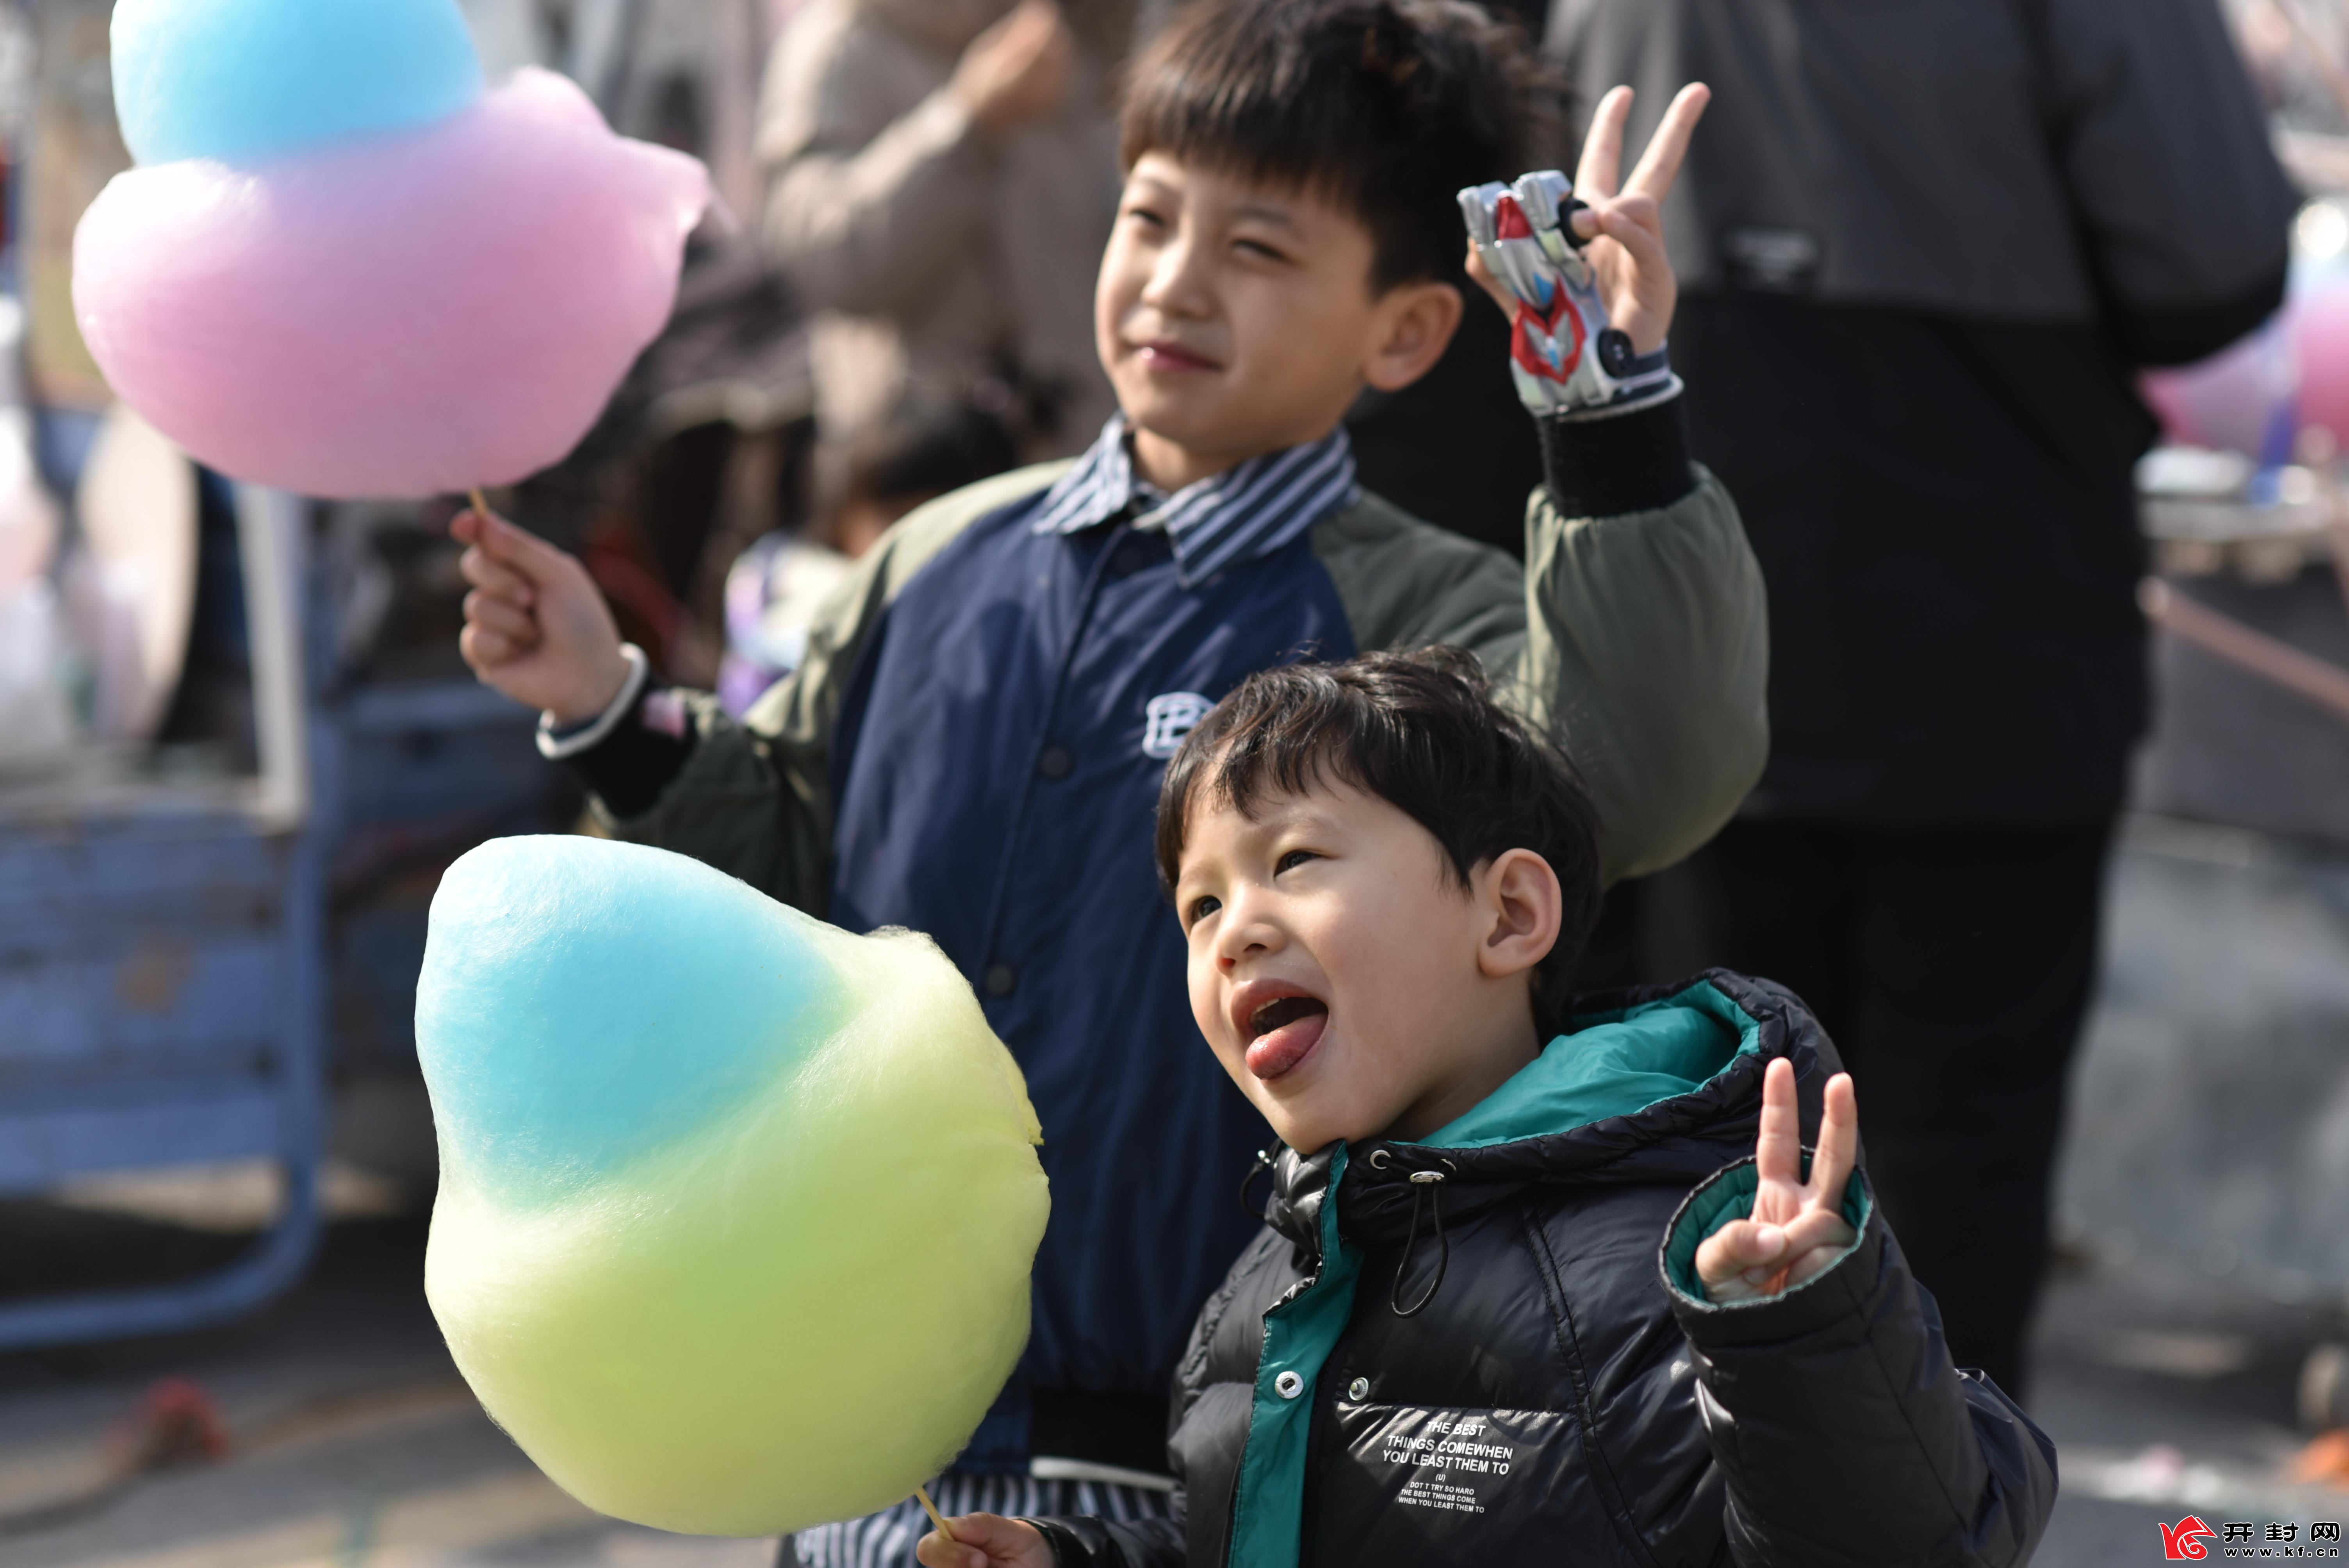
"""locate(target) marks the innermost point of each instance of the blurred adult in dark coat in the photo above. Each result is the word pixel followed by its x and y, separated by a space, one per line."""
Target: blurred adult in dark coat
pixel 1925 248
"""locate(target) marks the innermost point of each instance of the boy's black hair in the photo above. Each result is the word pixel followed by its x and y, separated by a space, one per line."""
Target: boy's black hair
pixel 1421 731
pixel 1387 108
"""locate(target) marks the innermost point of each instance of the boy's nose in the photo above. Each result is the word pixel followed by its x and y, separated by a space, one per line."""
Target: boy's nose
pixel 1176 287
pixel 1247 934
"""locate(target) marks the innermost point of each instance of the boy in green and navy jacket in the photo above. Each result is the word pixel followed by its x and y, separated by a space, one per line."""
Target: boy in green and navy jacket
pixel 974 746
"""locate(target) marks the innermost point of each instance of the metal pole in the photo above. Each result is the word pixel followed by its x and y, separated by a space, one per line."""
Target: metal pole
pixel 270 526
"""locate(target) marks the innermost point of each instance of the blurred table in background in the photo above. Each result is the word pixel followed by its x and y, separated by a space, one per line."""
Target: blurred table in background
pixel 2230 745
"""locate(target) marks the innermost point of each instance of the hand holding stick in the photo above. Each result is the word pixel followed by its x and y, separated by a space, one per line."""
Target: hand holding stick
pixel 980 1541
pixel 536 626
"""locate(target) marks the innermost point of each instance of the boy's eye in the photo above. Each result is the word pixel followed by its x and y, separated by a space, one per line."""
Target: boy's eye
pixel 1259 250
pixel 1144 215
pixel 1200 909
pixel 1294 859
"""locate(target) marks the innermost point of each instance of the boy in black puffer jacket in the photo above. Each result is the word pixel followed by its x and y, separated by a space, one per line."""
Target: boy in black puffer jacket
pixel 1490 1321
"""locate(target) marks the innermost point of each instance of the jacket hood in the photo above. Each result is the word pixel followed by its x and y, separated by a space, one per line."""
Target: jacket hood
pixel 1656 1085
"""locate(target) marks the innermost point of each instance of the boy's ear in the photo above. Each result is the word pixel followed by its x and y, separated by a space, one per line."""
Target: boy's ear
pixel 1520 894
pixel 1416 321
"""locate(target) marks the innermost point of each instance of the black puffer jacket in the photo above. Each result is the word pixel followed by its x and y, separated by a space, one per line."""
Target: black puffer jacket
pixel 1564 1394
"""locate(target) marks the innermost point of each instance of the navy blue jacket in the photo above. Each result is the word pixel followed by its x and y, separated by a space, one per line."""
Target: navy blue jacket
pixel 1005 752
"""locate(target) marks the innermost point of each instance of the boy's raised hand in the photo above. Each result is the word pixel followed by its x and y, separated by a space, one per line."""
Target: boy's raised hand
pixel 1592 304
pixel 536 626
pixel 985 1540
pixel 1797 1229
pixel 1625 220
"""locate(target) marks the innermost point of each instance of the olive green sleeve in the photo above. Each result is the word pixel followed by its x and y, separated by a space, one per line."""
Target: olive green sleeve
pixel 1648 650
pixel 1637 641
pixel 754 797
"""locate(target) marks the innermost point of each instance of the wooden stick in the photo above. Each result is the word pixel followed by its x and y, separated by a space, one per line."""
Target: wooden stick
pixel 922 1496
pixel 480 501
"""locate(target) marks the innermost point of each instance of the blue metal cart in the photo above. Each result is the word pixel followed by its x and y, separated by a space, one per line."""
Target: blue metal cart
pixel 160 957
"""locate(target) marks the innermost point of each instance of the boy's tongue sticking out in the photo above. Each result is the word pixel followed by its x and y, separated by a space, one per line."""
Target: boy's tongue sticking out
pixel 1280 1024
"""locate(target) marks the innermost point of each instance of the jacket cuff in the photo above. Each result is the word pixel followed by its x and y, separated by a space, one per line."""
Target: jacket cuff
pixel 1630 462
pixel 561 742
pixel 1728 1195
pixel 640 756
pixel 1070 1549
pixel 1090 1542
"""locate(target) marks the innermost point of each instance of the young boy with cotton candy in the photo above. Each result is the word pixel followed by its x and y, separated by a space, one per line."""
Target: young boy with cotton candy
pixel 1539 1281
pixel 975 743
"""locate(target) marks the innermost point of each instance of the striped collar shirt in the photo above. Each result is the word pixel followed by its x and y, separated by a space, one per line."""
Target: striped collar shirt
pixel 1238 515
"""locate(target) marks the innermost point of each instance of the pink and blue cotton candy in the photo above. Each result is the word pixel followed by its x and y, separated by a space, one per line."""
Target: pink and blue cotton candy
pixel 408 302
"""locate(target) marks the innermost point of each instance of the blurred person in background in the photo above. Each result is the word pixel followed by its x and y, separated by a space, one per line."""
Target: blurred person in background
pixel 2286 52
pixel 1929 247
pixel 926 446
pixel 1450 448
pixel 942 175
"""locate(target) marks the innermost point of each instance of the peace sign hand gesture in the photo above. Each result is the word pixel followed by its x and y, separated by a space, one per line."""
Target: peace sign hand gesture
pixel 1625 223
pixel 1581 270
pixel 1797 1229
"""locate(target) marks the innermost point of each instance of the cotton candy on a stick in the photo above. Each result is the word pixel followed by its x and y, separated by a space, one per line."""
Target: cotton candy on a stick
pixel 737 1209
pixel 344 269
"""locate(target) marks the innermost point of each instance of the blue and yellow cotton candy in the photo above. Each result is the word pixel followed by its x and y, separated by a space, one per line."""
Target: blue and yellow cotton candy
pixel 737 1209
